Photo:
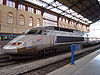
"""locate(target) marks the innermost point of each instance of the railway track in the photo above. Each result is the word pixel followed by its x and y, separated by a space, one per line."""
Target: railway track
pixel 7 63
pixel 21 66
pixel 51 67
pixel 5 60
pixel 4 57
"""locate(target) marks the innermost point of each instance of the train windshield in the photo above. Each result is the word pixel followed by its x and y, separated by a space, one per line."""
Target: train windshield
pixel 32 31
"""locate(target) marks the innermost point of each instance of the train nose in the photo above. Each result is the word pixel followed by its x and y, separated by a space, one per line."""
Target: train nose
pixel 9 49
pixel 2 46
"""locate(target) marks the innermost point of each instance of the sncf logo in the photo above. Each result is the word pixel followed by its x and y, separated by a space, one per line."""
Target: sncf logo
pixel 39 39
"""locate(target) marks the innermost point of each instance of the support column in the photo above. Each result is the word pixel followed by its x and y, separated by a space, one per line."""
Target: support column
pixel 61 19
pixel 4 2
pixel 42 13
pixel 65 19
pixel 58 21
pixel 16 5
pixel 68 21
pixel 72 54
pixel 71 21
pixel 35 10
pixel 26 7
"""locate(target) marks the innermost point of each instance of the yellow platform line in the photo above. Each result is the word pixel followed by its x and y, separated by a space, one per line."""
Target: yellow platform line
pixel 70 65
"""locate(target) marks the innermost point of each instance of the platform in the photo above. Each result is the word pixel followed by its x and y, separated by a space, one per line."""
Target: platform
pixel 88 65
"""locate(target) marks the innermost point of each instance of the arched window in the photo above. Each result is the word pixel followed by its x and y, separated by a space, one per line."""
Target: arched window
pixel 21 20
pixel 10 18
pixel 30 21
pixel 38 22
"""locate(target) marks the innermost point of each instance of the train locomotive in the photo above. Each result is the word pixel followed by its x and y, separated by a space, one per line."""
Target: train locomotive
pixel 43 40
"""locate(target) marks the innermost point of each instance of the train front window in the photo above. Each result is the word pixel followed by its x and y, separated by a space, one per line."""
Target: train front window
pixel 32 32
pixel 40 31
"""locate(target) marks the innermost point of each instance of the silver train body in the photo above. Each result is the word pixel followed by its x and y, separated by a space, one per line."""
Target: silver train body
pixel 43 40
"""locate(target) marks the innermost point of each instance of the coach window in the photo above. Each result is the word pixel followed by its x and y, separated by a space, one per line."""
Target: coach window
pixel 10 18
pixel 38 22
pixel 45 32
pixel 30 21
pixel 21 20
pixel 1 1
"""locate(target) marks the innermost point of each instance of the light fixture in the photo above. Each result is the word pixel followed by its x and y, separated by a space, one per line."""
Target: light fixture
pixel 59 8
pixel 99 1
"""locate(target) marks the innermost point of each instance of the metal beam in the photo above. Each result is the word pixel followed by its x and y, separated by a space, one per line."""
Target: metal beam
pixel 88 7
pixel 63 11
pixel 79 1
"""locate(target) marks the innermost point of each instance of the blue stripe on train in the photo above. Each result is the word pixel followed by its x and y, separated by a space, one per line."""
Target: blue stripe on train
pixel 62 39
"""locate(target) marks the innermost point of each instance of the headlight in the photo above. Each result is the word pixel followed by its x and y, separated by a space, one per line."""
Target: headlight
pixel 16 43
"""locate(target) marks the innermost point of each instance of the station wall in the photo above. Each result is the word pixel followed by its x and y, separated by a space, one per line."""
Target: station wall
pixel 23 19
pixel 15 27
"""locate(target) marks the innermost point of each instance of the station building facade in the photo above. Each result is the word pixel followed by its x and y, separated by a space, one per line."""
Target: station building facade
pixel 16 18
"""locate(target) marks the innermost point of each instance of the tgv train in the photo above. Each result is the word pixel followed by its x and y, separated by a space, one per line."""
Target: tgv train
pixel 43 40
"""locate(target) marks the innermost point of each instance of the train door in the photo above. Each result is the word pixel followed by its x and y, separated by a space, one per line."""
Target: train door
pixel 46 39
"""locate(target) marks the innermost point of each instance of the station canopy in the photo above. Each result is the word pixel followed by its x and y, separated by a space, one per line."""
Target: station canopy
pixel 84 11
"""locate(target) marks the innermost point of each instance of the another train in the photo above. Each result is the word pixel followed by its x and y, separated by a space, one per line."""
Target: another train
pixel 44 40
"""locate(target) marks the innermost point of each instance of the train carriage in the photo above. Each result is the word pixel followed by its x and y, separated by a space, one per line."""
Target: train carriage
pixel 42 40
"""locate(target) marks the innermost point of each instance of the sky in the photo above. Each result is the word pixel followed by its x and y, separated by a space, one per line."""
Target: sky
pixel 94 29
